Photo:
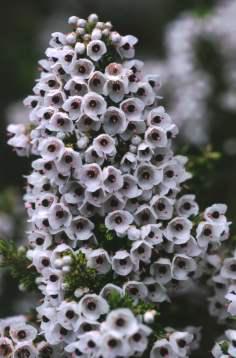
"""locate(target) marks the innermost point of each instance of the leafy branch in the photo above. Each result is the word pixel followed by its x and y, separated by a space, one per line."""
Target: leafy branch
pixel 14 260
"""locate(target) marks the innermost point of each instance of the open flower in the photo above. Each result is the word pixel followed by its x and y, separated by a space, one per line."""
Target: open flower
pixel 121 321
pixel 94 104
pixel 96 49
pixel 119 221
pixel 92 306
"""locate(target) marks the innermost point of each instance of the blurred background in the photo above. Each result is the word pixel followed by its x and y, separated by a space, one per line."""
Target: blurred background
pixel 190 43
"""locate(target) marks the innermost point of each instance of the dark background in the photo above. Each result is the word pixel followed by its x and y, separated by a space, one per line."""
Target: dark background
pixel 25 27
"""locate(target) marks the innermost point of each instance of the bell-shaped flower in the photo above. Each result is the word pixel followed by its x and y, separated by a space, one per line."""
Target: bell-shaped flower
pixel 180 342
pixel 122 321
pixel 94 104
pixel 137 290
pixel 59 216
pixel 148 176
pixel 161 270
pixel 73 106
pixel 162 206
pixel 126 46
pixel 216 213
pixel 133 108
pixel 51 148
pixel 104 145
pixel 119 221
pixel 162 348
pixel 182 266
pixel 115 89
pixel 156 137
pixel 178 230
pixel 82 68
pixel 114 121
pixel 122 263
pixel 91 176
pixel 140 251
pixel 99 259
pixel 187 206
pixel 112 179
pixel 92 306
pixel 156 292
pixel 152 234
pixel 96 49
pixel 96 82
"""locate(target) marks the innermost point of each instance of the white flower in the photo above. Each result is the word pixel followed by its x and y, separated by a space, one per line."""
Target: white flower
pixel 82 68
pixel 180 342
pixel 96 82
pixel 21 332
pixel 133 108
pixel 130 188
pixel 122 321
pixel 80 229
pixel 126 46
pixel 156 292
pixel 216 213
pixel 162 206
pixel 92 306
pixel 59 216
pixel 162 348
pixel 187 206
pixel 121 263
pixel 96 49
pixel 25 349
pixel 152 234
pixel 94 104
pixel 6 347
pixel 148 176
pixel 100 260
pixel 114 121
pixel 182 267
pixel 228 269
pixel 104 145
pixel 113 345
pixel 161 270
pixel 141 251
pixel 67 314
pixel 91 176
pixel 144 215
pixel 73 106
pixel 87 123
pixel 112 179
pixel 51 148
pixel 116 88
pixel 178 230
pixel 156 137
pixel 109 289
pixel 119 221
pixel 137 290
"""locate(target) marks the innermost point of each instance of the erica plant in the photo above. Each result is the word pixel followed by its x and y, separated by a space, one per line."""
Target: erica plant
pixel 113 231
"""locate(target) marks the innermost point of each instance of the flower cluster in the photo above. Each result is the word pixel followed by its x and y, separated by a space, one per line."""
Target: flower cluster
pixel 18 339
pixel 104 200
pixel 187 39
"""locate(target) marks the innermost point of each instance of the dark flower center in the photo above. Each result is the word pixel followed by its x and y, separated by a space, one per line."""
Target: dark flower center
pixel 96 48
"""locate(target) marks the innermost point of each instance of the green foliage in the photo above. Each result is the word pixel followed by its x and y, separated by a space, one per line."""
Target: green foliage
pixel 224 347
pixel 82 276
pixel 109 240
pixel 117 301
pixel 139 309
pixel 15 261
pixel 8 200
pixel 201 11
pixel 202 164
